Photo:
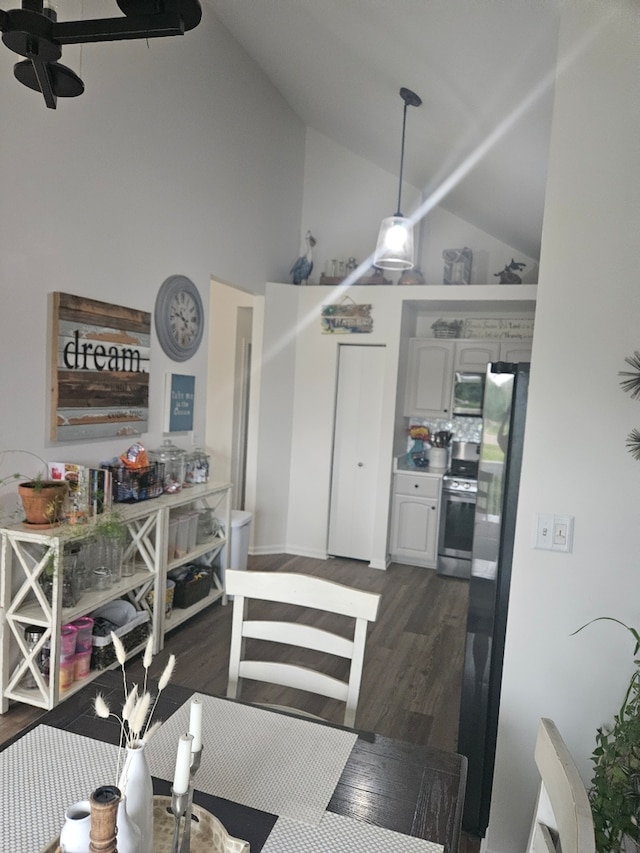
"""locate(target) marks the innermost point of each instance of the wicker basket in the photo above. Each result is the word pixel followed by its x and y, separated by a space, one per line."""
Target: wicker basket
pixel 444 329
pixel 133 631
pixel 130 485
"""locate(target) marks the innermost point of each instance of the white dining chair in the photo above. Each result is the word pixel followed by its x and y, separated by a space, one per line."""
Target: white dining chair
pixel 308 592
pixel 562 819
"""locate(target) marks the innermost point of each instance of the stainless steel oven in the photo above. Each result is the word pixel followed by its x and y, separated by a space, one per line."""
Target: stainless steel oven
pixel 457 514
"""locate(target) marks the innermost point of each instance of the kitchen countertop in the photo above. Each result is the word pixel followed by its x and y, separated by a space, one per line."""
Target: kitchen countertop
pixel 402 465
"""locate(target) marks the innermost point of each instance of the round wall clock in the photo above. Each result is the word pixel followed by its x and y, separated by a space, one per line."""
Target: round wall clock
pixel 179 317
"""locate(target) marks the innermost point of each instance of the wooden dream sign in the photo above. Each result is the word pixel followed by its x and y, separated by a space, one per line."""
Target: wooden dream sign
pixel 99 369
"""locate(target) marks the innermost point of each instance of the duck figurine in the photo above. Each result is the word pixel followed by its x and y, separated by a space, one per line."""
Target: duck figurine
pixel 302 268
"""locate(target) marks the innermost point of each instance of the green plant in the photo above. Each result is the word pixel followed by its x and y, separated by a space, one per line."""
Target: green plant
pixel 111 525
pixel 615 791
pixel 15 477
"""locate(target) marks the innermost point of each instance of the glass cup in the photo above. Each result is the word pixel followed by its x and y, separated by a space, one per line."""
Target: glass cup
pixel 101 578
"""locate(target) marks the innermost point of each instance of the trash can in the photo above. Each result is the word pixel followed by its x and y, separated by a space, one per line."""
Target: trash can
pixel 240 531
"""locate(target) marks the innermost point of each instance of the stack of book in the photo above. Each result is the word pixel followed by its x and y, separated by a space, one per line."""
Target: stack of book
pixel 89 490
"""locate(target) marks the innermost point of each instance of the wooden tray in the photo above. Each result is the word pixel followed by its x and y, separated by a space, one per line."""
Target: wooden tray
pixel 208 835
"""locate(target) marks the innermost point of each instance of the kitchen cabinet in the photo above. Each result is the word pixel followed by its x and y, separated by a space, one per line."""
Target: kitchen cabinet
pixel 473 356
pixel 515 351
pixel 432 363
pixel 415 514
pixel 27 554
pixel 429 372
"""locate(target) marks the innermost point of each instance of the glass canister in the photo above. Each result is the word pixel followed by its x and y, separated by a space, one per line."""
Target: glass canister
pixel 174 460
pixel 197 467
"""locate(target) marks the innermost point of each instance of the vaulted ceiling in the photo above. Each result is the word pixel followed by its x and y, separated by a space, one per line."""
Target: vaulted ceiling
pixel 484 69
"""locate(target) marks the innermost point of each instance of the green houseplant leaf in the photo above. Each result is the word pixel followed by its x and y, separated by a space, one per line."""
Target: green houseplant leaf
pixel 615 791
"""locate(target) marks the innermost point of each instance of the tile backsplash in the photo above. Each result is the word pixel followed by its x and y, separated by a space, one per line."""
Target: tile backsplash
pixel 463 429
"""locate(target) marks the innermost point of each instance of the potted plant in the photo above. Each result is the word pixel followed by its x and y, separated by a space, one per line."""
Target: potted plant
pixel 615 791
pixel 42 500
pixel 33 491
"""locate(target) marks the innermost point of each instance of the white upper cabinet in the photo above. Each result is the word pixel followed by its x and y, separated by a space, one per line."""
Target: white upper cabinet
pixel 473 356
pixel 433 362
pixel 429 371
pixel 515 351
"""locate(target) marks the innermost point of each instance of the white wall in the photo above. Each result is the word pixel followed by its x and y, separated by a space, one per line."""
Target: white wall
pixel 489 255
pixel 179 158
pixel 345 200
pixel 587 321
pixel 297 407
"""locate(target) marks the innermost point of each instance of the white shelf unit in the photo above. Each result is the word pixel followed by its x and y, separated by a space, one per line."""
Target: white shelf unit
pixel 26 553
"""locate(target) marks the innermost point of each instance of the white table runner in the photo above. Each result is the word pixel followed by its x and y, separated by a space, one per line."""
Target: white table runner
pixel 272 762
pixel 342 835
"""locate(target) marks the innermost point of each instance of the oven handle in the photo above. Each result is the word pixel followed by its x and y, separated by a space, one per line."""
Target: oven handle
pixel 459 497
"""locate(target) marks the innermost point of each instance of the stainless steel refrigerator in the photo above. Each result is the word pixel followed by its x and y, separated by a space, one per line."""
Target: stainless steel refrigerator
pixel 504 411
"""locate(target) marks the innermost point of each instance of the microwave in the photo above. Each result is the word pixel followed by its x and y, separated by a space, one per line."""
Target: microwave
pixel 468 393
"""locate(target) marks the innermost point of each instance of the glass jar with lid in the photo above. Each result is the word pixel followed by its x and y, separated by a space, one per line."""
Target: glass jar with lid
pixel 197 467
pixel 173 458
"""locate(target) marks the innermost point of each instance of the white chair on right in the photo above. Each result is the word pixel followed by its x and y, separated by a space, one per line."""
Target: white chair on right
pixel 562 821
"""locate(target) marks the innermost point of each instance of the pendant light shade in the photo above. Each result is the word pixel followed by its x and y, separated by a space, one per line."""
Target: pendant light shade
pixel 395 244
pixel 394 250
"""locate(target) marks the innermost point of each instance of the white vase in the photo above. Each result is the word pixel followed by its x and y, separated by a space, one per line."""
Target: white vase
pixel 136 786
pixel 128 833
pixel 74 835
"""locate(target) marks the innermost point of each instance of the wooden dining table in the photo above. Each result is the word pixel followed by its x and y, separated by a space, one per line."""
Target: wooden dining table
pixel 410 789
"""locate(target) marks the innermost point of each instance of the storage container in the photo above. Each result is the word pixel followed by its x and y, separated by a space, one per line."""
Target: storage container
pixel 172 537
pixel 173 458
pixel 168 597
pixel 68 640
pixel 130 485
pixel 194 586
pixel 84 630
pixel 182 535
pixel 67 671
pixel 82 665
pixel 192 535
pixel 132 628
pixel 197 467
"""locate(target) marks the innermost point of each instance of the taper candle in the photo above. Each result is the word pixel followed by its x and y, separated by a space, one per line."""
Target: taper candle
pixel 195 724
pixel 183 765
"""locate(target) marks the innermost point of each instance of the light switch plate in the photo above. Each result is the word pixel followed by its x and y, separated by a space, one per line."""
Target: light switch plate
pixel 553 532
pixel 543 537
pixel 562 536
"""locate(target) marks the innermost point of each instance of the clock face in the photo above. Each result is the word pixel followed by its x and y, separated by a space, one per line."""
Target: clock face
pixel 179 317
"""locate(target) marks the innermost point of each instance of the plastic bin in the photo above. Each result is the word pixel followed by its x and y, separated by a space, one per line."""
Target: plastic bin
pixel 240 532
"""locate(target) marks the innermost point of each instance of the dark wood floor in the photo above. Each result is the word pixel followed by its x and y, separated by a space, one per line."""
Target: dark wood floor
pixel 413 664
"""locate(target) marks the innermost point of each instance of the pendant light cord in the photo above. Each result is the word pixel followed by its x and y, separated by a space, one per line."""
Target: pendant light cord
pixel 404 123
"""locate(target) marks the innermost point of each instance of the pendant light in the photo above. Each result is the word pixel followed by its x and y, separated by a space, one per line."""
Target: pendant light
pixel 395 240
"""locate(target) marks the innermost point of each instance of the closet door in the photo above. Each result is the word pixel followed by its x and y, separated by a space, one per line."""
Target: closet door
pixel 356 444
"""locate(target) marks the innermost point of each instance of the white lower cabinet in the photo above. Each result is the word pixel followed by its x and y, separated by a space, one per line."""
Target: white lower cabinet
pixel 415 518
pixel 29 556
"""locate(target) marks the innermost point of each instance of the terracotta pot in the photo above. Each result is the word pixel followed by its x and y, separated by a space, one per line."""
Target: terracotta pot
pixel 42 500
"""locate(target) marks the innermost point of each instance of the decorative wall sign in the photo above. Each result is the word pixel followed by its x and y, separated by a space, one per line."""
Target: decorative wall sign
pixel 179 401
pixel 99 369
pixel 346 318
pixel 506 328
